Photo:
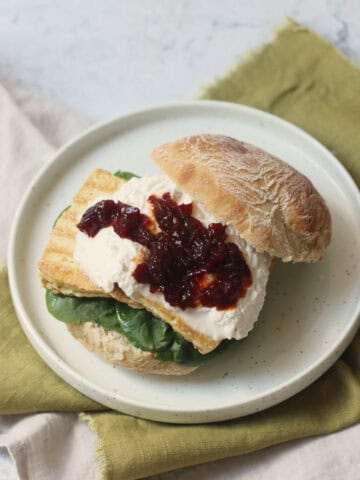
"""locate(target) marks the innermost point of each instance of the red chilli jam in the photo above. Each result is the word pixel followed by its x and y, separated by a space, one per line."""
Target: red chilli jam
pixel 192 265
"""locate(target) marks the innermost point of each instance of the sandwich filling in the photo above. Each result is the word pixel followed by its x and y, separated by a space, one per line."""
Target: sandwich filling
pixel 215 281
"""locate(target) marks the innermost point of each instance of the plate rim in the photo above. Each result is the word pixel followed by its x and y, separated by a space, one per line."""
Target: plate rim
pixel 277 394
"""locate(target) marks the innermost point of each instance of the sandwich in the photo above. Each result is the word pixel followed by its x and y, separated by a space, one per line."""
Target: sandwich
pixel 159 274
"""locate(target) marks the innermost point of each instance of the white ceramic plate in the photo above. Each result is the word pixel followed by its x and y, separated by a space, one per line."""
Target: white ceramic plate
pixel 311 311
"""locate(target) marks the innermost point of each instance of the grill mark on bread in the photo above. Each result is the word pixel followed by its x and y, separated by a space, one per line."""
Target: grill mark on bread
pixel 62 274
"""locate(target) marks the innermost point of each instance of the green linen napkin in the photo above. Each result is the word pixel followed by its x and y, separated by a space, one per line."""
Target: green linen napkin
pixel 307 81
pixel 299 77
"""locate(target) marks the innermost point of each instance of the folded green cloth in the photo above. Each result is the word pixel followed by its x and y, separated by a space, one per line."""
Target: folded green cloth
pixel 299 77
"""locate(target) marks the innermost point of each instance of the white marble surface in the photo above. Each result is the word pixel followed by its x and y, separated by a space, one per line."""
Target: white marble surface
pixel 103 58
pixel 106 57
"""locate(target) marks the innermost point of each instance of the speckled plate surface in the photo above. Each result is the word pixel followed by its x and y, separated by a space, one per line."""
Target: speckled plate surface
pixel 311 311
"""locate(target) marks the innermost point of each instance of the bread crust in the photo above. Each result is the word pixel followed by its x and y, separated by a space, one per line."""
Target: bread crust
pixel 270 204
pixel 115 348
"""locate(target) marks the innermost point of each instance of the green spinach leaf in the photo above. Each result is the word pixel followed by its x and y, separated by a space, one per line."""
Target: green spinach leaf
pixel 125 175
pixel 139 326
pixel 144 330
pixel 62 211
pixel 82 309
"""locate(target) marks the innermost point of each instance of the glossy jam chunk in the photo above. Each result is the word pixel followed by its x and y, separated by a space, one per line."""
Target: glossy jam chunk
pixel 191 264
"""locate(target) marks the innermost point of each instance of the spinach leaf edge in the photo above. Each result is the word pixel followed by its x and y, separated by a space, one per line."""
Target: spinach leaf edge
pixel 139 326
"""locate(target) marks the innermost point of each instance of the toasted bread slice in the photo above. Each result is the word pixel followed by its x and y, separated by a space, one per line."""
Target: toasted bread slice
pixel 59 271
pixel 62 274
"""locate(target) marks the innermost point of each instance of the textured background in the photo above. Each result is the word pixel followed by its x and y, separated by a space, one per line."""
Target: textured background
pixel 106 57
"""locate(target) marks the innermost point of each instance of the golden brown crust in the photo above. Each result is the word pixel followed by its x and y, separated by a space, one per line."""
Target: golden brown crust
pixel 270 204
pixel 62 274
pixel 114 347
pixel 58 269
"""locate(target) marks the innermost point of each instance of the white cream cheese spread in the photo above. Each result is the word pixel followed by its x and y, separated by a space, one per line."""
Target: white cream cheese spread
pixel 108 259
